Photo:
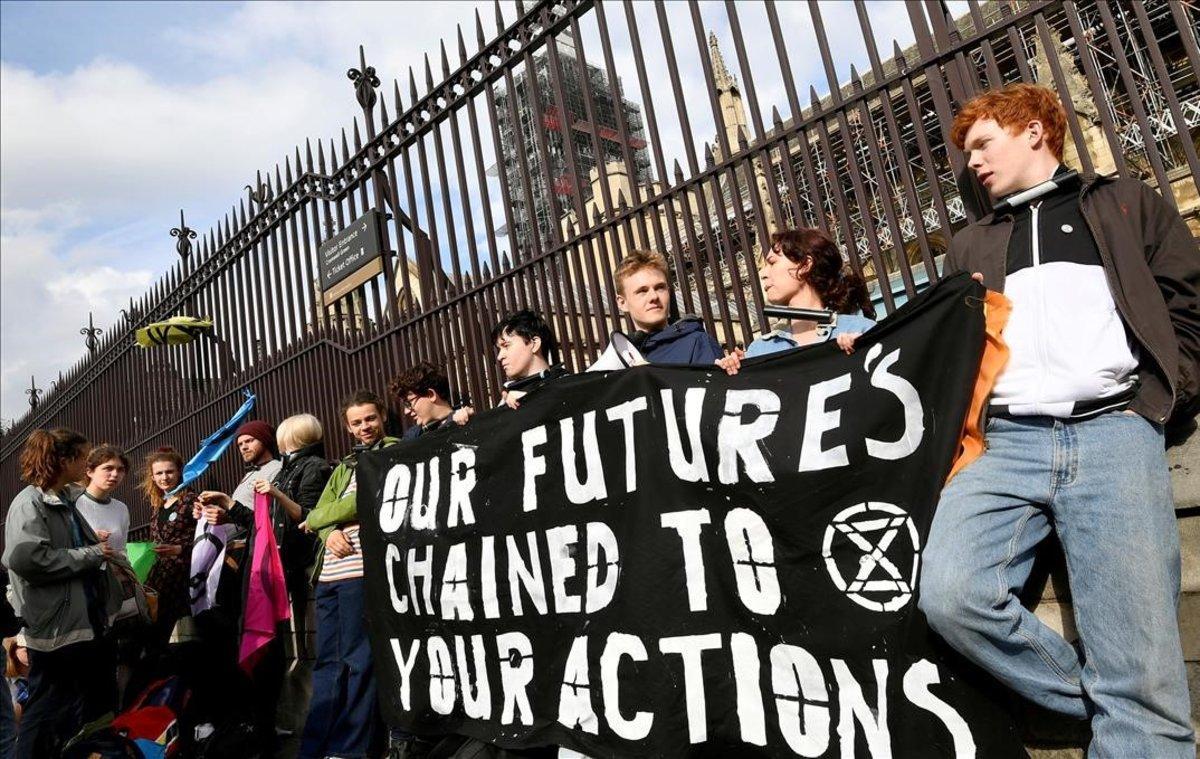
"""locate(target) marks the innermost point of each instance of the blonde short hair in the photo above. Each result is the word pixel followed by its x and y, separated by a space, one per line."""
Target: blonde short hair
pixel 635 262
pixel 298 431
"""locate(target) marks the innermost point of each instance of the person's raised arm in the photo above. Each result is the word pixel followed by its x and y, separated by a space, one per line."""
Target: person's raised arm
pixel 290 507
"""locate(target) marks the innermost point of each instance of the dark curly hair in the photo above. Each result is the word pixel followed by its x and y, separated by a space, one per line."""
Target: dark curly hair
pixel 362 398
pixel 841 290
pixel 419 378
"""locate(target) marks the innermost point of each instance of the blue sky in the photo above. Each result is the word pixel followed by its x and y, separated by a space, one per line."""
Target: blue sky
pixel 60 36
pixel 114 116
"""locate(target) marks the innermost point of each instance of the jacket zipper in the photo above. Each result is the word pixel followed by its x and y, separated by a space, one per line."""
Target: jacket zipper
pixel 1119 299
pixel 1035 232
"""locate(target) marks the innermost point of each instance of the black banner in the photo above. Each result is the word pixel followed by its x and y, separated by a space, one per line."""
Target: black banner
pixel 665 560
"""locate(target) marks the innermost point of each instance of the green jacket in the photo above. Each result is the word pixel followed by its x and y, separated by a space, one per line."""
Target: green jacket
pixel 337 508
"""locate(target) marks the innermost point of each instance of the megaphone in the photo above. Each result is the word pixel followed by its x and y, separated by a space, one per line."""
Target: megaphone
pixel 620 354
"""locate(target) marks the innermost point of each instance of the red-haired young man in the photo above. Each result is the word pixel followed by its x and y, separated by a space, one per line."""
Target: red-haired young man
pixel 1104 339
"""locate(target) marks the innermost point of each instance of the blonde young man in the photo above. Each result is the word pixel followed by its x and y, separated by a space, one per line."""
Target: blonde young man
pixel 644 292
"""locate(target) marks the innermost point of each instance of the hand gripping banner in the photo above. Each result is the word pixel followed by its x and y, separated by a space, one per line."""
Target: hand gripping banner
pixel 667 561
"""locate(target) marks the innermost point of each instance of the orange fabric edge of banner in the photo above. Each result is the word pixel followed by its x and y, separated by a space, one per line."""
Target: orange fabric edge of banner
pixel 996 309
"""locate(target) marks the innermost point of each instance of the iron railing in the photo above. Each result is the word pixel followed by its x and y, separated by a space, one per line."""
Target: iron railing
pixel 522 173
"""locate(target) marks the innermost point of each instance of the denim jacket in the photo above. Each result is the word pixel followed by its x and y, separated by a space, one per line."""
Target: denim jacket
pixel 782 340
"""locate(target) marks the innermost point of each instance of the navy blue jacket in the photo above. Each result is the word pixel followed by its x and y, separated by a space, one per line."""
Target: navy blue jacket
pixel 417 430
pixel 684 342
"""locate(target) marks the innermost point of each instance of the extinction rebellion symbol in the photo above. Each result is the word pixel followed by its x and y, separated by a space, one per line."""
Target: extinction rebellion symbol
pixel 888 550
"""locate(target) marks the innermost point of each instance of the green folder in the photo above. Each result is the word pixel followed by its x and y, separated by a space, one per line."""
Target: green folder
pixel 141 556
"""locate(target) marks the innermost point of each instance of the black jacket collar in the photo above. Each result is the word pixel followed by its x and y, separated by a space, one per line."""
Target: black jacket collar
pixel 1087 180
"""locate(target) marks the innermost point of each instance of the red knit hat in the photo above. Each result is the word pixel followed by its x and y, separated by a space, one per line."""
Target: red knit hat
pixel 260 431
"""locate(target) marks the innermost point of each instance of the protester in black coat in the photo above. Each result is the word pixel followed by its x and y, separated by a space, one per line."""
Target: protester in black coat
pixel 300 482
pixel 294 492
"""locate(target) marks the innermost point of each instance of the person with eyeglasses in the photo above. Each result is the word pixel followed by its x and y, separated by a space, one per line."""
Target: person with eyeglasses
pixel 423 392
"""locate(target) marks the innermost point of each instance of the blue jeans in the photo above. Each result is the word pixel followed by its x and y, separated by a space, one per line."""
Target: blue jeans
pixel 1102 485
pixel 343 713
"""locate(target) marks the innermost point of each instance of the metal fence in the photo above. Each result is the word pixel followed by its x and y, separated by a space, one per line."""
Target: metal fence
pixel 578 132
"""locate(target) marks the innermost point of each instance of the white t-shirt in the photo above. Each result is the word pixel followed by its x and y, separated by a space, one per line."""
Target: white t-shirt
pixel 111 515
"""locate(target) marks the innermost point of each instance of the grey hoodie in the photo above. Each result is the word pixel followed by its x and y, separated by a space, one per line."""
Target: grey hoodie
pixel 47 574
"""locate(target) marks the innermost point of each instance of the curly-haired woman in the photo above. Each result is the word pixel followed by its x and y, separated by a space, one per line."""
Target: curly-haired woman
pixel 804 269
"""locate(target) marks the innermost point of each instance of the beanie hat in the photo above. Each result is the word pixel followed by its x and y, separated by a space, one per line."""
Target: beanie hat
pixel 260 431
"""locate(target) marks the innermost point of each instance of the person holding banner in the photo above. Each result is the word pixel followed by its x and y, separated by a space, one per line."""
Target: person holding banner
pixel 423 391
pixel 220 557
pixel 526 351
pixel 804 269
pixel 172 525
pixel 294 492
pixel 343 716
pixel 643 288
pixel 1104 347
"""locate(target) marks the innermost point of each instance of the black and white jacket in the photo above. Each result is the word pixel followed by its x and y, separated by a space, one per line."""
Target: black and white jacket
pixel 1070 354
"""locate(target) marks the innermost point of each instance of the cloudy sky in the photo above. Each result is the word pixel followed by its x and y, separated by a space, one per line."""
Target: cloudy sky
pixel 114 116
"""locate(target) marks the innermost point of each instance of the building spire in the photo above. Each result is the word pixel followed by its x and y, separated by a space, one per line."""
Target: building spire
pixel 722 79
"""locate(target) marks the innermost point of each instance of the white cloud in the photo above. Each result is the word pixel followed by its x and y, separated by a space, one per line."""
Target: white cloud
pixel 98 160
pixel 46 301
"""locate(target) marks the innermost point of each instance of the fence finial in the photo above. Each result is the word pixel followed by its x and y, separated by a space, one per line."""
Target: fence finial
pixel 185 234
pixel 90 333
pixel 259 192
pixel 365 81
pixel 33 392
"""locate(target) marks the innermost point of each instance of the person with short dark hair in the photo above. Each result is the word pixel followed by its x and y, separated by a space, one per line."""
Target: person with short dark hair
pixel 107 466
pixel 423 392
pixel 343 716
pixel 61 591
pixel 527 352
pixel 1104 346
pixel 643 288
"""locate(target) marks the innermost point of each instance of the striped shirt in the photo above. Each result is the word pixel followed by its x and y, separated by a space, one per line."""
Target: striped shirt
pixel 348 568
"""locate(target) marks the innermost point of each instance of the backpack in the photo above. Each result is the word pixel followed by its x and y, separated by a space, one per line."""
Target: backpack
pixel 154 717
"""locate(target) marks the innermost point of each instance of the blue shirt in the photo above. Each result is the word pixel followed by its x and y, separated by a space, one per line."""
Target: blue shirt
pixel 782 340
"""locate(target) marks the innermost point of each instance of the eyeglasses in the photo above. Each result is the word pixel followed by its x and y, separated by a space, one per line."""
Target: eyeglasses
pixel 409 401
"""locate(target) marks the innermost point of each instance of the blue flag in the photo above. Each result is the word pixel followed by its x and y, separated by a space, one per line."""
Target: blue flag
pixel 214 445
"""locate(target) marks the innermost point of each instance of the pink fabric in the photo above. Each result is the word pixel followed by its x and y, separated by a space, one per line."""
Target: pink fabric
pixel 266 597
